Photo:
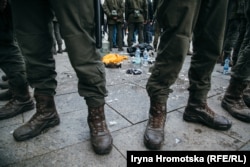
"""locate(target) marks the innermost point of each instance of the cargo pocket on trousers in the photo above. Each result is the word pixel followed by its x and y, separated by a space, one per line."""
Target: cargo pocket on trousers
pixel 97 76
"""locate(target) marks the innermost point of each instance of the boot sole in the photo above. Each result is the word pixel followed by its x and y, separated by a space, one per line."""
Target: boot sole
pixel 234 114
pixel 197 119
pixel 39 131
pixel 25 108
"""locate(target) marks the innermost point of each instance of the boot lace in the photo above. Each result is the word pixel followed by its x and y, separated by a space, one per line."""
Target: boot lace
pixel 97 121
pixel 156 121
pixel 208 109
pixel 157 117
pixel 241 104
pixel 40 109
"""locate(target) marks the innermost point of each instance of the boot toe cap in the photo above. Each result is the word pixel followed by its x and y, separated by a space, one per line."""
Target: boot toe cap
pixel 153 139
pixel 222 122
pixel 22 133
pixel 102 144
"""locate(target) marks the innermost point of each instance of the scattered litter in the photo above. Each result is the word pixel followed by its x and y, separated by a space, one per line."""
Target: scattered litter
pixel 112 123
pixel 134 71
pixel 68 74
pixel 110 101
pixel 177 140
pixel 198 130
pixel 175 97
pixel 113 60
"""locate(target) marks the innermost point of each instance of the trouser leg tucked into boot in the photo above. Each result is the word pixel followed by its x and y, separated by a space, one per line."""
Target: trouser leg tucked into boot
pixel 46 116
pixel 101 138
pixel 20 102
pixel 154 133
pixel 197 111
pixel 233 100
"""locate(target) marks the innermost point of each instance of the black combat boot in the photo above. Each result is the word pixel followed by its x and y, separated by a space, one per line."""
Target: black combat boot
pixel 6 95
pixel 233 100
pixel 101 138
pixel 19 103
pixel 45 117
pixel 246 96
pixel 60 50
pixel 154 133
pixel 201 113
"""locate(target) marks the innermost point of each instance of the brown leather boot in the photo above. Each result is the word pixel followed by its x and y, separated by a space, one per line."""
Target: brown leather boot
pixel 101 138
pixel 6 95
pixel 20 102
pixel 233 101
pixel 154 133
pixel 45 117
pixel 201 113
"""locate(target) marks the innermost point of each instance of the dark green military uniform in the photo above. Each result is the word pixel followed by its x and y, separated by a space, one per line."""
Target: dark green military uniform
pixel 236 100
pixel 242 29
pixel 136 12
pixel 33 23
pixel 115 19
pixel 241 70
pixel 179 19
pixel 235 14
pixel 11 60
pixel 206 19
pixel 157 29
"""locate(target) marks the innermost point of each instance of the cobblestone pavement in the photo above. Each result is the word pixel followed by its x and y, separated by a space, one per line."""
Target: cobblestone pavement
pixel 126 113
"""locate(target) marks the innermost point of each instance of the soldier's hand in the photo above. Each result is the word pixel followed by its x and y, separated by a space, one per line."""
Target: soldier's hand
pixel 3 4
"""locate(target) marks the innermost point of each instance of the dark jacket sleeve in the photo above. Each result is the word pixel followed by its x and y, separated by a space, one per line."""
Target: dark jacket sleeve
pixel 106 9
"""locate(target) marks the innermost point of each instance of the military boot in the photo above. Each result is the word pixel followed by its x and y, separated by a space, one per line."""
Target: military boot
pixel 6 95
pixel 233 101
pixel 201 113
pixel 101 138
pixel 246 96
pixel 45 117
pixel 154 133
pixel 19 103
